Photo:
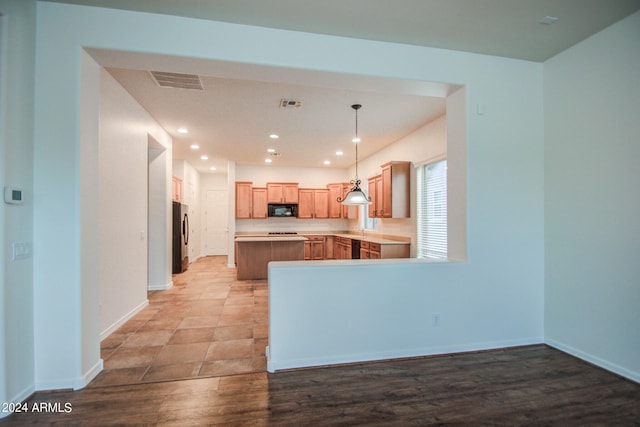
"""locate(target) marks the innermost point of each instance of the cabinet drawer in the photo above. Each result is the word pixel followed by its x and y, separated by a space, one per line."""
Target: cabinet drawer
pixel 315 238
pixel 364 245
pixel 374 246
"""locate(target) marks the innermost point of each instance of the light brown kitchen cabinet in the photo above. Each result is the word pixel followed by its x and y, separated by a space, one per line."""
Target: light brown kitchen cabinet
pixel 314 248
pixel 176 189
pixel 390 191
pixel 342 248
pixel 329 247
pixel 335 207
pixel 375 192
pixel 244 199
pixel 396 178
pixel 282 192
pixel 313 203
pixel 259 203
pixel 370 250
pixel 251 203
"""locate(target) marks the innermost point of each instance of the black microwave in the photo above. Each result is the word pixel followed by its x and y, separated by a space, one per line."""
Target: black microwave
pixel 283 210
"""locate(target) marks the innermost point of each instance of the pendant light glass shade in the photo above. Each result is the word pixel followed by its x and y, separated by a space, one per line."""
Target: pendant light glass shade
pixel 356 196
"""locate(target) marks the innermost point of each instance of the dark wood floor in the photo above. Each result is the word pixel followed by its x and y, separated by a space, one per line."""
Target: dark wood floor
pixel 534 385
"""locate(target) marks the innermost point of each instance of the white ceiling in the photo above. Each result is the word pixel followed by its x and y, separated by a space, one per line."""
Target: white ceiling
pixel 238 109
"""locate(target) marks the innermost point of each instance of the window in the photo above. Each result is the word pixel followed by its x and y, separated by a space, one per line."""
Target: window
pixel 432 210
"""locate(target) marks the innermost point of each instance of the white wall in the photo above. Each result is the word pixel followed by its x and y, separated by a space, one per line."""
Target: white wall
pixel 592 231
pixel 498 292
pixel 123 157
pixel 17 67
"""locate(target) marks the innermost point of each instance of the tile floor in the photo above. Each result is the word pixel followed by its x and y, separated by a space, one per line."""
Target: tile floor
pixel 207 324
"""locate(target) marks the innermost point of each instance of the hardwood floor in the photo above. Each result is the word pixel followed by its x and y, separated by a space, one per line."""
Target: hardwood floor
pixel 534 385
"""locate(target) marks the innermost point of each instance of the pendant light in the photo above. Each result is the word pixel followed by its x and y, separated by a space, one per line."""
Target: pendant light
pixel 356 196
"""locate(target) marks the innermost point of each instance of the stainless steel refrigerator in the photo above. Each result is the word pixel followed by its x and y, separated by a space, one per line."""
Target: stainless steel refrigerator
pixel 180 258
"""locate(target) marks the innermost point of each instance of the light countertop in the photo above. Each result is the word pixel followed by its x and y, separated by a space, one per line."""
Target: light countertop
pixel 256 237
pixel 271 238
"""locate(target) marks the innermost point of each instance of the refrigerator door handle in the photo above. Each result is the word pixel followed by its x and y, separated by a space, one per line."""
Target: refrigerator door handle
pixel 185 229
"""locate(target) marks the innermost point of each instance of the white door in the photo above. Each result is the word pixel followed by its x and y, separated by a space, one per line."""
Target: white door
pixel 216 223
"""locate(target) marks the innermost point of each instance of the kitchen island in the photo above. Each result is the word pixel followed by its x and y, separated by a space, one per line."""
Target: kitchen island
pixel 253 253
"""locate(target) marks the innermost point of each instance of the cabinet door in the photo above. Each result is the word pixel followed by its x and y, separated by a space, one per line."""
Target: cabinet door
pixel 305 203
pixel 329 247
pixel 335 207
pixel 290 193
pixel 380 197
pixel 259 203
pixel 317 249
pixel 307 250
pixel 274 193
pixel 244 196
pixel 373 196
pixel 321 203
pixel 386 192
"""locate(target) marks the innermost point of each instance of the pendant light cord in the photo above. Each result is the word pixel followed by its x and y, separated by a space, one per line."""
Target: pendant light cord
pixel 357 138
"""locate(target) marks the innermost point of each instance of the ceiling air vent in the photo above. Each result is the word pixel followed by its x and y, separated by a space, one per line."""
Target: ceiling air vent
pixel 288 103
pixel 177 80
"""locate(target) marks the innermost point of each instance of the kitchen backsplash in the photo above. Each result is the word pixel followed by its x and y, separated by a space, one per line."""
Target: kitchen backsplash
pixel 290 224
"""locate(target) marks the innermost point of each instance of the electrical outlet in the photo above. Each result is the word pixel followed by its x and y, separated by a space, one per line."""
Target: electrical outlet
pixel 435 320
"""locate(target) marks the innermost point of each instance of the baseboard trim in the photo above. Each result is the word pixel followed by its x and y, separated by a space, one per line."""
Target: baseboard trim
pixel 594 360
pixel 286 364
pixel 104 334
pixel 160 287
pixel 84 380
pixel 19 398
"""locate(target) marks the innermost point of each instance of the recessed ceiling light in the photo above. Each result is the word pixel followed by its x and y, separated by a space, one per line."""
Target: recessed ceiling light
pixel 271 150
pixel 327 162
pixel 204 157
pixel 356 139
pixel 274 136
pixel 195 146
pixel 183 130
pixel 268 160
pixel 339 153
pixel 212 168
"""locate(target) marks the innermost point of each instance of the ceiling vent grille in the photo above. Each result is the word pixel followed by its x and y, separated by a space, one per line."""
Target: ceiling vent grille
pixel 288 103
pixel 177 80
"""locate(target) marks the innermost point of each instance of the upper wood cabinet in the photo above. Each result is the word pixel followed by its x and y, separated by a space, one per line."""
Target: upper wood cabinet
pixel 244 200
pixel 375 193
pixel 335 207
pixel 390 191
pixel 251 203
pixel 282 192
pixel 259 208
pixel 313 203
pixel 176 189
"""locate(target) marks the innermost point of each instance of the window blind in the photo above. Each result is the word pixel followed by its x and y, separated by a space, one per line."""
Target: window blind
pixel 432 210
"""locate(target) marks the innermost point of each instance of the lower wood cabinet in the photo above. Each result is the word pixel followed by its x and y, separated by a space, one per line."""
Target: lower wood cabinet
pixel 314 248
pixel 342 248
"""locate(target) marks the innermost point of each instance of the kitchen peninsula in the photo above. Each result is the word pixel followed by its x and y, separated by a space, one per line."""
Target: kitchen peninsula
pixel 254 251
